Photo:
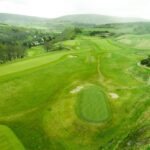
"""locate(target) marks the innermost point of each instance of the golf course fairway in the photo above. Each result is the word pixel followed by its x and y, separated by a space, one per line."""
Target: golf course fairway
pixel 90 96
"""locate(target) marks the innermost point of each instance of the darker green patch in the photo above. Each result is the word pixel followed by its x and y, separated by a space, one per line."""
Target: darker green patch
pixel 92 105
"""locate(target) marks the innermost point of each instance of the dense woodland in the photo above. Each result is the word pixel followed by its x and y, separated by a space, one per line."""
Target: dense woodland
pixel 14 41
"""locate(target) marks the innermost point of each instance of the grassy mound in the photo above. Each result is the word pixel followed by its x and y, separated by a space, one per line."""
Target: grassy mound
pixel 136 41
pixel 92 105
pixel 8 141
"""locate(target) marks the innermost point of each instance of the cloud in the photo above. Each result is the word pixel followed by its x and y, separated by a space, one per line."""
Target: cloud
pixel 55 8
pixel 14 1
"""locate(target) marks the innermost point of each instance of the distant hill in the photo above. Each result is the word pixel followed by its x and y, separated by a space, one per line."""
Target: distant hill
pixel 63 21
pixel 22 20
pixel 97 19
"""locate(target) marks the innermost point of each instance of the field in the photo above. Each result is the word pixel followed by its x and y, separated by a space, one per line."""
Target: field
pixel 91 97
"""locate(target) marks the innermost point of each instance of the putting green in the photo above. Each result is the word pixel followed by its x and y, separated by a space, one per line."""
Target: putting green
pixel 8 140
pixel 92 104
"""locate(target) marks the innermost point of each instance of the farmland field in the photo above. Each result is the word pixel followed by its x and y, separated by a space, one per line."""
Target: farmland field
pixel 93 96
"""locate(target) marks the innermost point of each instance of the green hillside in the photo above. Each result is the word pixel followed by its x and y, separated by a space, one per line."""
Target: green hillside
pixel 92 97
pixel 8 140
pixel 21 20
pixel 96 19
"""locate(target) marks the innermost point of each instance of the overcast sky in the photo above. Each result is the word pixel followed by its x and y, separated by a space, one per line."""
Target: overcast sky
pixel 55 8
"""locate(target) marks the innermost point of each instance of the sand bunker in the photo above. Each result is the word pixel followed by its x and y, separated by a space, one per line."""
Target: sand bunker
pixel 72 56
pixel 114 95
pixel 76 90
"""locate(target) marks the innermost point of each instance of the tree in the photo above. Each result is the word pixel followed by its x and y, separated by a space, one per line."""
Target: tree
pixel 146 61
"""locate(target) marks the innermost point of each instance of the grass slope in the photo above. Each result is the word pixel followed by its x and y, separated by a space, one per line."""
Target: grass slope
pixel 8 141
pixel 136 41
pixel 37 103
pixel 30 63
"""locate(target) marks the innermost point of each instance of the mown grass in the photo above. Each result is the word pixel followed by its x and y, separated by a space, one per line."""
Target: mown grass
pixel 30 63
pixel 92 105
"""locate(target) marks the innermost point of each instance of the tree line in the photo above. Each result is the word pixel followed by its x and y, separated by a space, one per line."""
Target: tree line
pixel 67 34
pixel 15 41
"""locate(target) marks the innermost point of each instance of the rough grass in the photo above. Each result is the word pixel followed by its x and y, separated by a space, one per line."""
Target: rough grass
pixel 136 41
pixel 35 51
